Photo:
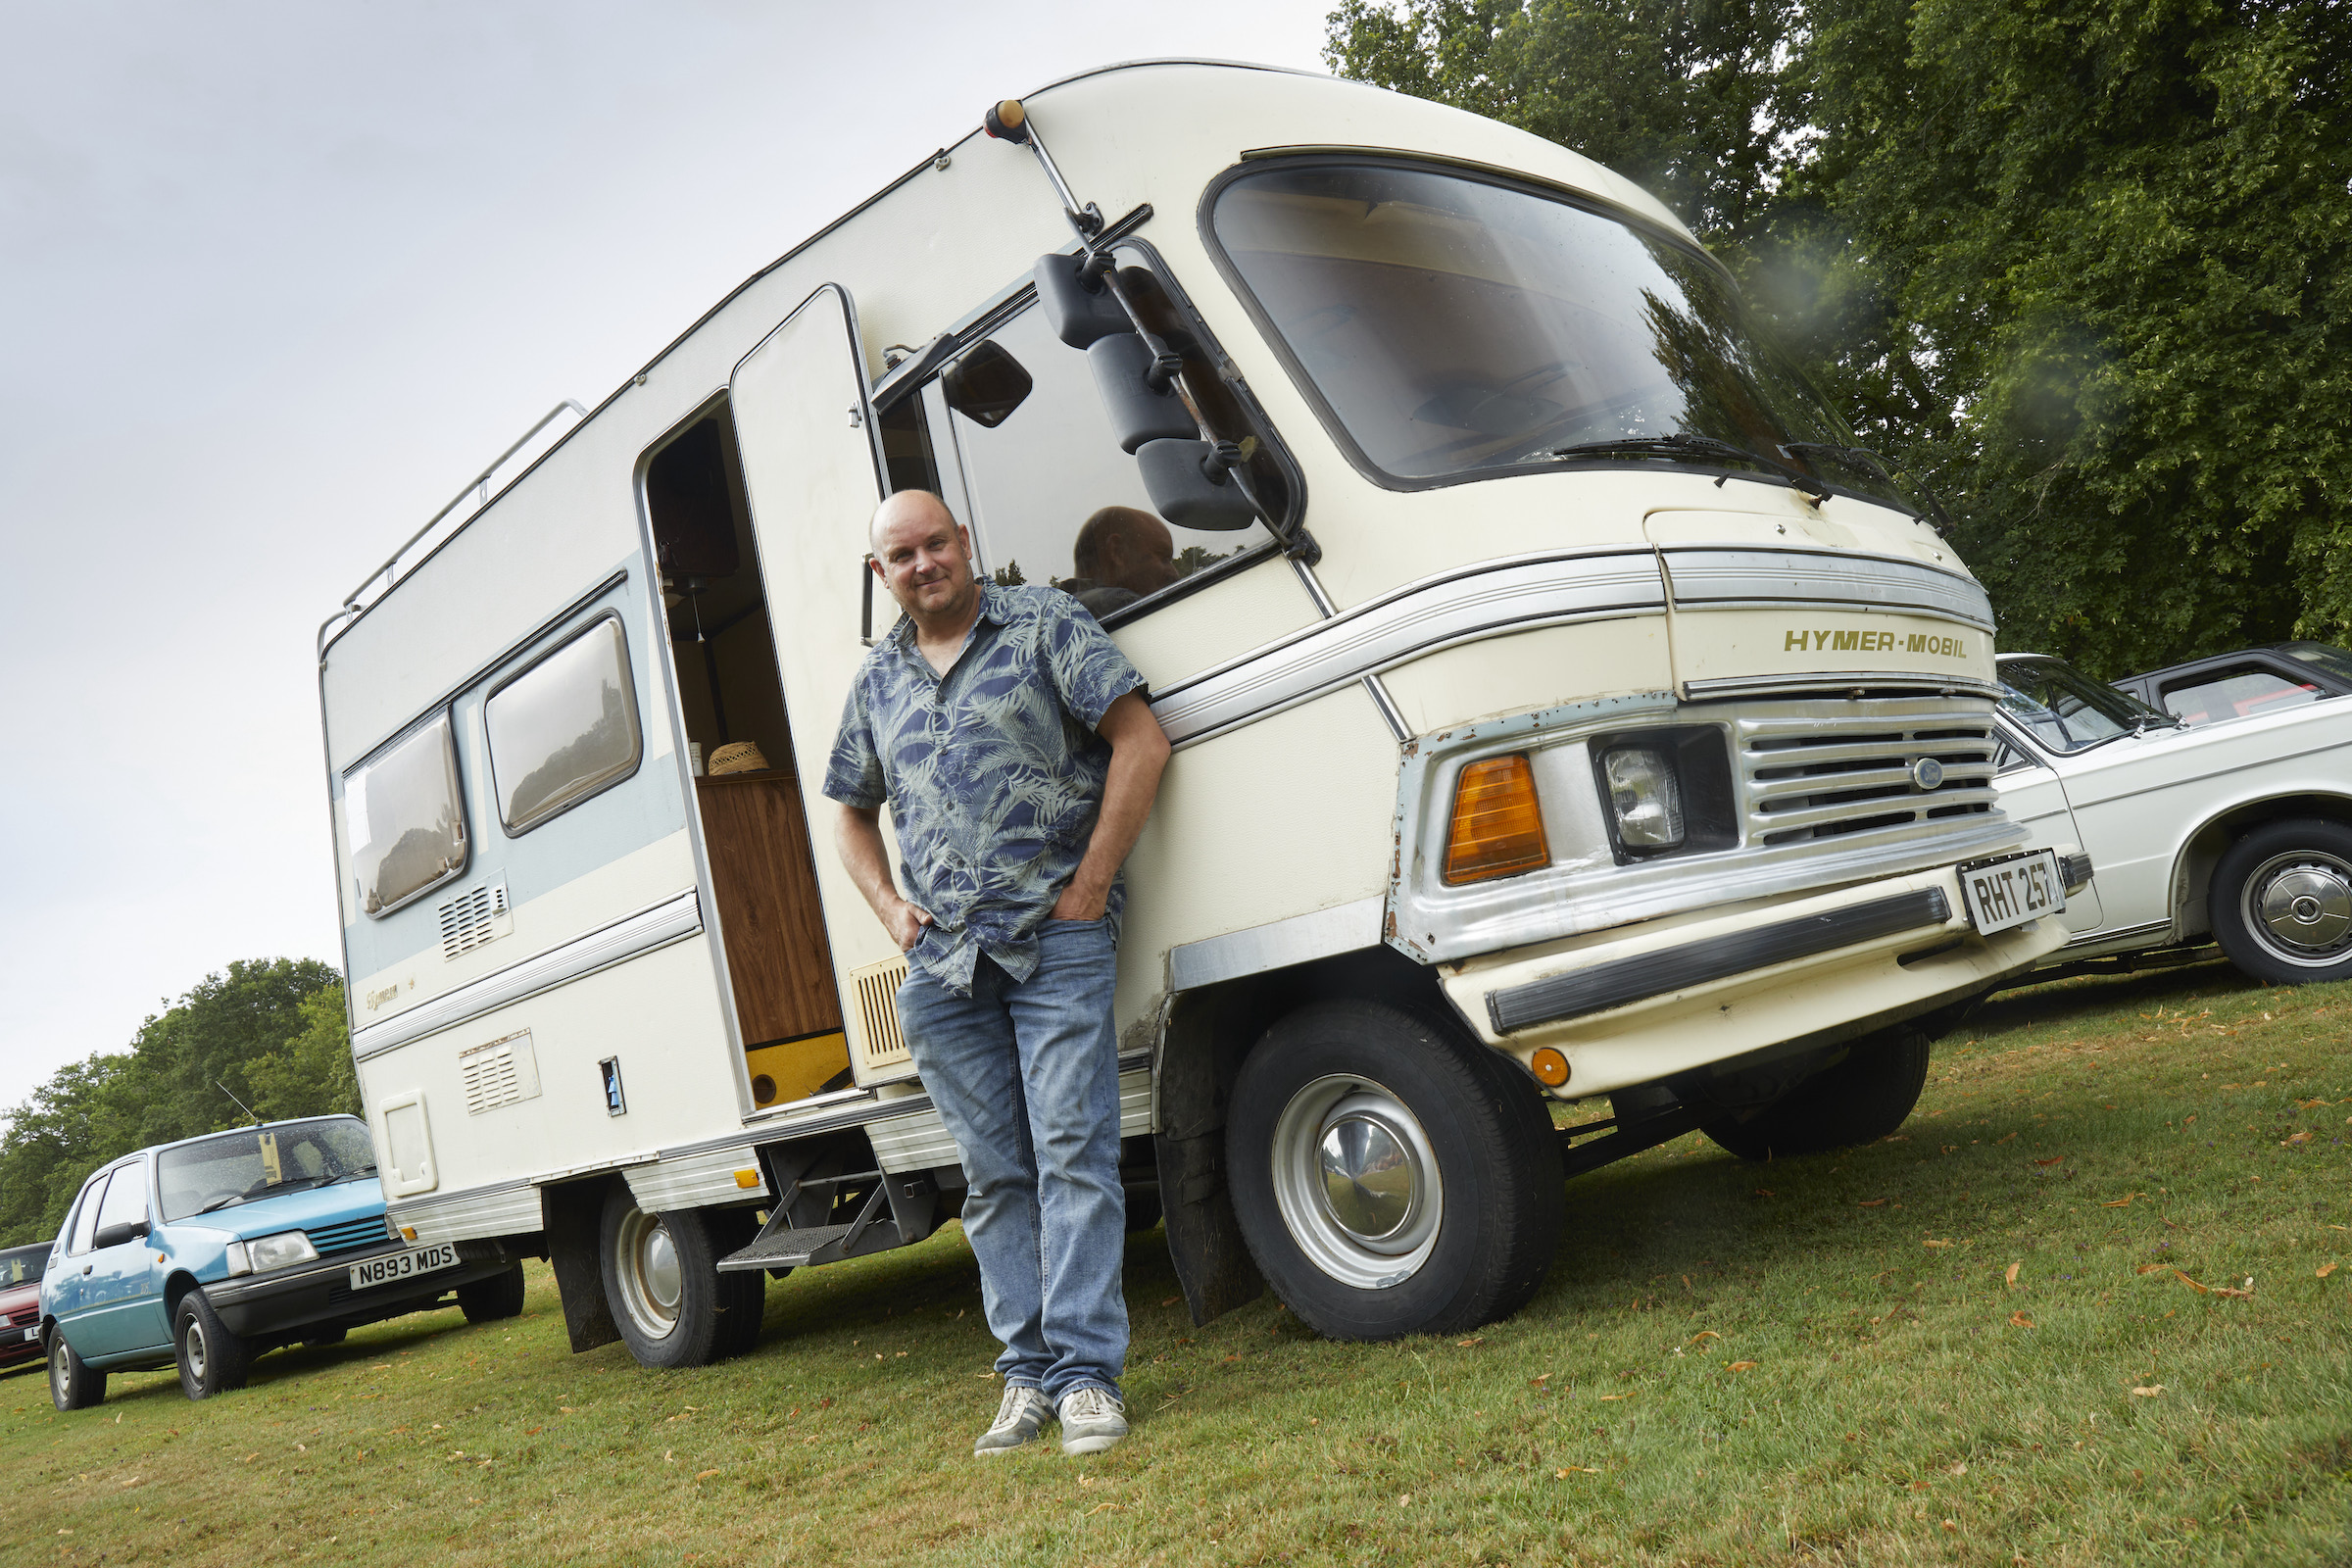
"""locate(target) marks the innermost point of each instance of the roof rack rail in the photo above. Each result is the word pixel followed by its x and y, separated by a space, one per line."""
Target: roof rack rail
pixel 480 482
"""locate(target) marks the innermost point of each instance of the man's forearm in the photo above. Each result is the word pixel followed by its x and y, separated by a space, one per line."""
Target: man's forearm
pixel 858 836
pixel 1139 754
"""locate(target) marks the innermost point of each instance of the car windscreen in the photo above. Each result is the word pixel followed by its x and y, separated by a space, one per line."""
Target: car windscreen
pixel 1455 325
pixel 2325 656
pixel 22 1265
pixel 256 1162
pixel 2063 708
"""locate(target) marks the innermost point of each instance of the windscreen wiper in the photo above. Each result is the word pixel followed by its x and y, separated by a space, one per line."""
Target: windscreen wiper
pixel 1684 444
pixel 1870 462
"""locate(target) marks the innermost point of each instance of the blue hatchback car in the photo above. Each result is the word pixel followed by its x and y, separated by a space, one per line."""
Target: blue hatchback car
pixel 217 1250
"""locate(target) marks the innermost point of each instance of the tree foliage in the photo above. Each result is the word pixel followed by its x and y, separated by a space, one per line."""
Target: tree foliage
pixel 270 1030
pixel 2085 266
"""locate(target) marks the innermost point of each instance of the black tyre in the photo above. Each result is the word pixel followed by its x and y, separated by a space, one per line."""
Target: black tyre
pixel 489 1299
pixel 673 1305
pixel 2281 902
pixel 1390 1176
pixel 74 1384
pixel 212 1359
pixel 1867 1095
pixel 1143 1210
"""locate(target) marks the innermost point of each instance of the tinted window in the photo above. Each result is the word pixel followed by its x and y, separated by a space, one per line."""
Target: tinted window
pixel 259 1162
pixel 2327 656
pixel 85 1217
pixel 1055 501
pixel 404 818
pixel 2235 694
pixel 22 1265
pixel 564 728
pixel 1452 325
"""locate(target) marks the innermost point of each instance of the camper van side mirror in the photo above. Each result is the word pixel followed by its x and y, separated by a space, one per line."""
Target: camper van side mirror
pixel 1083 311
pixel 1139 412
pixel 1192 485
pixel 986 384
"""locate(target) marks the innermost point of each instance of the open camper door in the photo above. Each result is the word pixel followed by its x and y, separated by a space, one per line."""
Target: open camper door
pixel 812 468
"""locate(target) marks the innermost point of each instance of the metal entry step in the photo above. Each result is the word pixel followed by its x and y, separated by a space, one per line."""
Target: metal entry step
pixel 797 1248
pixel 898 1212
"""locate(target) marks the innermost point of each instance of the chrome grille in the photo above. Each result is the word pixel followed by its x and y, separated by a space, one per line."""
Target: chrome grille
pixel 1810 776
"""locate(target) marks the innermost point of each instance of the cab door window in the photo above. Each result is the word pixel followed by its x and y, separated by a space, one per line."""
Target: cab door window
pixel 125 1201
pixel 85 1217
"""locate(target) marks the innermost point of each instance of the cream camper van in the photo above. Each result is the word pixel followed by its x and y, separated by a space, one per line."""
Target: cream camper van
pixel 1567 718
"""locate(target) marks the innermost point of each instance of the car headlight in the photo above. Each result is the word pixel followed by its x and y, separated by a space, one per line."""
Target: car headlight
pixel 1646 797
pixel 280 1251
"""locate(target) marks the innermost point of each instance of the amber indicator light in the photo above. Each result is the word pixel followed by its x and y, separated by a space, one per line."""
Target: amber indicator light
pixel 1498 829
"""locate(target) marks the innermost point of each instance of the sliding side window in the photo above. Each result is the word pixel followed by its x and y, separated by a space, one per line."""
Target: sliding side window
pixel 404 818
pixel 564 729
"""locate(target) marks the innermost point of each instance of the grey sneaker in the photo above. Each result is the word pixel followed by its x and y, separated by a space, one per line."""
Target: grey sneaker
pixel 1092 1420
pixel 1023 1411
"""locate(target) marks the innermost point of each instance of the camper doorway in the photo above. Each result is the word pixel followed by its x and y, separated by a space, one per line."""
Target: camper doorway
pixel 747 783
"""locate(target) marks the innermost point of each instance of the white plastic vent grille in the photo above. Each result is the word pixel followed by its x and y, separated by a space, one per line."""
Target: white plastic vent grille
pixel 880 1046
pixel 473 918
pixel 499 1073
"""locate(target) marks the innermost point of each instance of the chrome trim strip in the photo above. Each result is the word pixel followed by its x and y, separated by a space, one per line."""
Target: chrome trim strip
pixel 1621 982
pixel 1421 618
pixel 1277 944
pixel 1839 680
pixel 697 1182
pixel 1724 576
pixel 505 1209
pixel 627 938
pixel 2096 938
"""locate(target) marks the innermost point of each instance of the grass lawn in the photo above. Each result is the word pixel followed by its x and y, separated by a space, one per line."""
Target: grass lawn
pixel 1975 1342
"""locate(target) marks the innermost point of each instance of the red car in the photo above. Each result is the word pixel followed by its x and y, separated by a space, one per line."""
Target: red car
pixel 21 1303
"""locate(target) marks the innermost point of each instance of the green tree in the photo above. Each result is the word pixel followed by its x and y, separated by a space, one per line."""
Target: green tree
pixel 1009 575
pixel 261 1028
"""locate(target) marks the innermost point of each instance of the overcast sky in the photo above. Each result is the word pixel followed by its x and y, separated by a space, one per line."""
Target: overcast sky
pixel 274 281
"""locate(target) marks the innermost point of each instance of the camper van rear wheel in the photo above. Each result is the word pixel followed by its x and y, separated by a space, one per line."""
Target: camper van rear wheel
pixel 1865 1096
pixel 673 1305
pixel 1389 1176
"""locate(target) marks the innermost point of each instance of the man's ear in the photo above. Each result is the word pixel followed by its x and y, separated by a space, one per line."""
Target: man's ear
pixel 876 566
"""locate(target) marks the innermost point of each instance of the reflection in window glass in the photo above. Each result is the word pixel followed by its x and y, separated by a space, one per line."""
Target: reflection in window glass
pixel 405 821
pixel 126 1197
pixel 22 1265
pixel 2238 694
pixel 1055 502
pixel 85 1218
pixel 2064 708
pixel 1453 325
pixel 2327 656
pixel 250 1164
pixel 564 728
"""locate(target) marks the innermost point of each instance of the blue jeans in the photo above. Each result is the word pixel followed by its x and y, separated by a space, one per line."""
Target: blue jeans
pixel 1026 1076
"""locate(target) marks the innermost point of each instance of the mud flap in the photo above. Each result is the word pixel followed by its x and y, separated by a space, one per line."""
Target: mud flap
pixel 1198 1057
pixel 573 1211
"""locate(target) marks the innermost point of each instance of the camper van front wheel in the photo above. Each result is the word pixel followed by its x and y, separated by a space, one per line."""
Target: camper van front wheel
pixel 1390 1176
pixel 673 1305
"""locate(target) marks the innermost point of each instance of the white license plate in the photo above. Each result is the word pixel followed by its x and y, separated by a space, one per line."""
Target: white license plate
pixel 33 1333
pixel 2012 889
pixel 401 1265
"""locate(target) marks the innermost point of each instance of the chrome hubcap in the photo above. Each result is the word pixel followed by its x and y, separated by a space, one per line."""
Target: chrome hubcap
pixel 651 1280
pixel 1356 1182
pixel 196 1352
pixel 2299 905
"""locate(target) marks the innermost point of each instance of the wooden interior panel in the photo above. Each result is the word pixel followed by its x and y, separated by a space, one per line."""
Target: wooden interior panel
pixel 765 889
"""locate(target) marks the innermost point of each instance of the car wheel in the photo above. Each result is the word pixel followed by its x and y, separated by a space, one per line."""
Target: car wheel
pixel 2281 902
pixel 74 1384
pixel 1142 1211
pixel 1867 1095
pixel 673 1305
pixel 489 1299
pixel 1389 1176
pixel 212 1359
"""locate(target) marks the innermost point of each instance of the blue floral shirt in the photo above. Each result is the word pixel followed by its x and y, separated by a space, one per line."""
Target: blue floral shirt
pixel 993 773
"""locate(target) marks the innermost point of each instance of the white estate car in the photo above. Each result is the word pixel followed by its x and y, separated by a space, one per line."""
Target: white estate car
pixel 2238 832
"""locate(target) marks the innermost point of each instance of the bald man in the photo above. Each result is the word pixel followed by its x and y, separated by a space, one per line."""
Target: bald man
pixel 1013 746
pixel 1121 554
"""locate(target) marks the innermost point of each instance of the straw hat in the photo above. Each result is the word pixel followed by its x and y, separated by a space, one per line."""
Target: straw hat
pixel 741 757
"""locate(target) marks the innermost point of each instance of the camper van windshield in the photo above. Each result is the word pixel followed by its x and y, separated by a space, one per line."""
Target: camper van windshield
pixel 1455 325
pixel 404 820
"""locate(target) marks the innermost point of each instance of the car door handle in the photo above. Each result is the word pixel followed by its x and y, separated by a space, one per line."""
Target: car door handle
pixel 86 1268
